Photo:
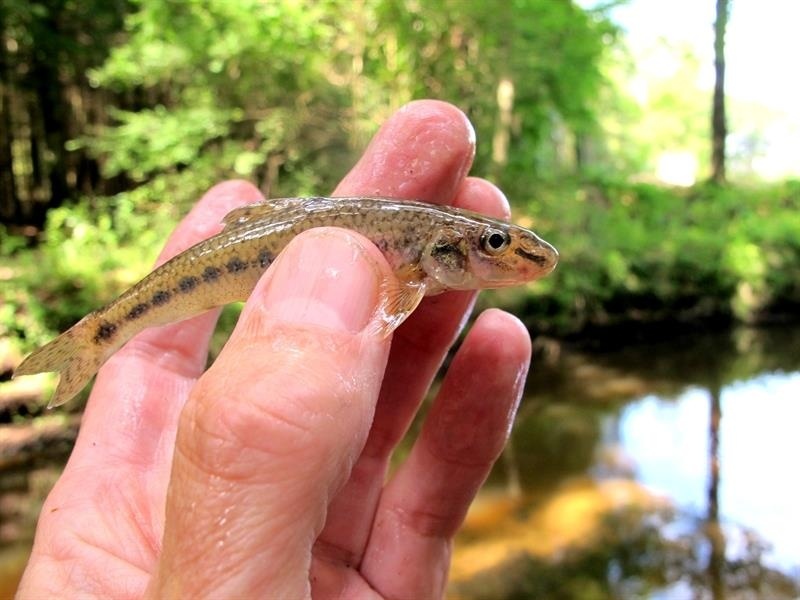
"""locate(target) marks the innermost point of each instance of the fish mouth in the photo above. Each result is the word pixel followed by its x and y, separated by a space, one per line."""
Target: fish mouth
pixel 544 256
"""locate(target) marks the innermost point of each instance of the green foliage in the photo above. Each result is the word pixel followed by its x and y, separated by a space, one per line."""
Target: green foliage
pixel 628 253
pixel 235 89
pixel 459 51
pixel 286 94
pixel 643 252
pixel 149 142
pixel 88 257
pixel 243 88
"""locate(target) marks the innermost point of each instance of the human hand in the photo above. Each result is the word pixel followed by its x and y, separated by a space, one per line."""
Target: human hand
pixel 265 476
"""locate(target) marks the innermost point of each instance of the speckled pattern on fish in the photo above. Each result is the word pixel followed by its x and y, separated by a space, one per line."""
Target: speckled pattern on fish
pixel 430 248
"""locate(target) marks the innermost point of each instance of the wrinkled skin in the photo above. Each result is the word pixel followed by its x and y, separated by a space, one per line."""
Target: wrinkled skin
pixel 265 476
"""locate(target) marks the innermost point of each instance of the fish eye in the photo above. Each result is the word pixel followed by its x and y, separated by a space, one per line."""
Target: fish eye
pixel 494 241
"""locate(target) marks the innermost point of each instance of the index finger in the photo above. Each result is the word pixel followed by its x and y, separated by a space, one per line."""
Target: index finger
pixel 423 152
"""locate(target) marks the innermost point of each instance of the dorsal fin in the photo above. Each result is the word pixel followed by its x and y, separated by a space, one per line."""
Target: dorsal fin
pixel 260 210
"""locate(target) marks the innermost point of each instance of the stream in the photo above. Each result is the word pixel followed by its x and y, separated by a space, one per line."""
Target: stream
pixel 647 469
pixel 651 468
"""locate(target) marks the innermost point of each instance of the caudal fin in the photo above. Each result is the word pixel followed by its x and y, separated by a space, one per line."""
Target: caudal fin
pixel 70 357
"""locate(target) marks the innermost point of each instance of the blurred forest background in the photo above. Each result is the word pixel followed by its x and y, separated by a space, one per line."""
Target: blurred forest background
pixel 669 202
pixel 117 115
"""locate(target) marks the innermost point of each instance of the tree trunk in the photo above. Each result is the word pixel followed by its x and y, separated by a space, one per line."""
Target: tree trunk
pixel 53 112
pixel 501 139
pixel 9 202
pixel 719 128
pixel 716 536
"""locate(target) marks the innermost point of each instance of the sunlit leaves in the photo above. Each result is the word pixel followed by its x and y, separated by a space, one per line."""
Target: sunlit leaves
pixel 311 79
pixel 150 141
pixel 646 252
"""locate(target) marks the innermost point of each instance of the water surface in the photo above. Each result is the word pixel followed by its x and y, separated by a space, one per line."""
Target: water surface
pixel 649 469
pixel 637 469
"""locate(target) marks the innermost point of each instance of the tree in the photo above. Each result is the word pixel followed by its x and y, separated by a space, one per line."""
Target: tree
pixel 8 193
pixel 525 72
pixel 46 47
pixel 718 124
pixel 287 93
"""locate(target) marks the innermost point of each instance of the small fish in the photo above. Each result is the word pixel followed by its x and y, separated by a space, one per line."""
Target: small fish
pixel 430 248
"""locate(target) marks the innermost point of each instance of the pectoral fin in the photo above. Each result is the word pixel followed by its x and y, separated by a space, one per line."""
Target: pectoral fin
pixel 399 298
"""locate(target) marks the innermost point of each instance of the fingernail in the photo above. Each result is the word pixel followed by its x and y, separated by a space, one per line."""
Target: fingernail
pixel 324 277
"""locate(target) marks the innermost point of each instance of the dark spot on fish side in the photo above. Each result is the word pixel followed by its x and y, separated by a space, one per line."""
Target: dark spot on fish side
pixel 211 274
pixel 105 332
pixel 236 265
pixel 187 284
pixel 450 255
pixel 160 297
pixel 537 258
pixel 137 311
pixel 265 258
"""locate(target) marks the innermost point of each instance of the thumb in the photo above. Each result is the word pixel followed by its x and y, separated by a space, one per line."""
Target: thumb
pixel 274 426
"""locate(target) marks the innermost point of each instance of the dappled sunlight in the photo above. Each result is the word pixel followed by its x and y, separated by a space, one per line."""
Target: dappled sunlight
pixel 571 517
pixel 615 488
pixel 677 168
pixel 12 563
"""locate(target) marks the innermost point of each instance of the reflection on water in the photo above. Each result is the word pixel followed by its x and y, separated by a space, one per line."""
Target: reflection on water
pixel 661 470
pixel 758 451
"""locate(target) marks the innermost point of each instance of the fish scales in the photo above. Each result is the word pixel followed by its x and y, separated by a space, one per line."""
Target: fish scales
pixel 430 248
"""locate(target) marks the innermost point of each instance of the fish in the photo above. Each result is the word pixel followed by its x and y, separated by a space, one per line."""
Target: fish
pixel 430 248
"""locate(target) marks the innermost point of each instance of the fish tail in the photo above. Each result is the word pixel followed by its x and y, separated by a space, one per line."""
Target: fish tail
pixel 69 356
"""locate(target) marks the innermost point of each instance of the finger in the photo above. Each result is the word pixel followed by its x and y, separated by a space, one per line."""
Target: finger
pixel 272 429
pixel 422 152
pixel 425 503
pixel 418 349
